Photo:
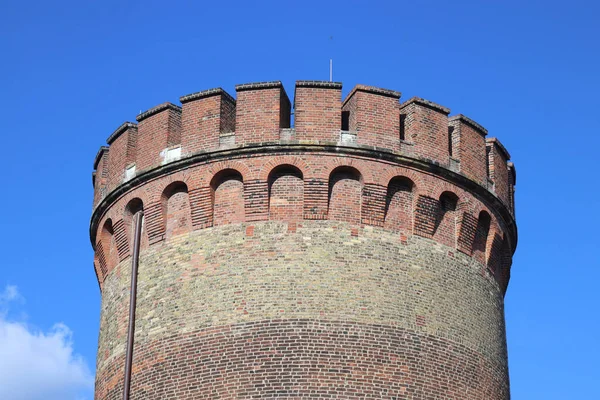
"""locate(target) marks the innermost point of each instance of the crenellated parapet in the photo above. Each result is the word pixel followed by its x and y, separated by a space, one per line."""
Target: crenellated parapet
pixel 368 118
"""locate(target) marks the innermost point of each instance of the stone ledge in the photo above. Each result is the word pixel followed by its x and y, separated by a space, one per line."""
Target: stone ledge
pixel 319 84
pixel 124 126
pixel 205 93
pixel 101 151
pixel 373 90
pixel 494 141
pixel 156 110
pixel 469 121
pixel 258 86
pixel 426 103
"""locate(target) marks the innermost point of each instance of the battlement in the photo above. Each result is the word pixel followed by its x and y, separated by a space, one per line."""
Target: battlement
pixel 369 117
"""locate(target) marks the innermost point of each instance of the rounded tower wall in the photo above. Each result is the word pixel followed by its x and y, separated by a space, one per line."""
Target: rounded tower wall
pixel 349 256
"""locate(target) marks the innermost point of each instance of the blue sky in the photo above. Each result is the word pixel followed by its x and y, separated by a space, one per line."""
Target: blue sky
pixel 71 72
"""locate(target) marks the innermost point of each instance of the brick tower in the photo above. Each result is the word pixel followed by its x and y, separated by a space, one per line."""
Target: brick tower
pixel 362 253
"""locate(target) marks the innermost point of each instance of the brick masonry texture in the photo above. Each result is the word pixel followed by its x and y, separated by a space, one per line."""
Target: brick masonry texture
pixel 362 254
pixel 280 302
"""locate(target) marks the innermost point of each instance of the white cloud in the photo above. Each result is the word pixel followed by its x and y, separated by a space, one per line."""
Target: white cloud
pixel 10 293
pixel 38 365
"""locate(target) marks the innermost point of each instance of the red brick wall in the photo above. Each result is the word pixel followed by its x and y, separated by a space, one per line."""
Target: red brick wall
pixel 374 115
pixel 469 145
pixel 106 253
pixel 176 212
pixel 426 127
pixel 205 115
pixel 286 194
pixel 498 169
pixel 399 205
pixel 480 242
pixel 262 110
pixel 373 194
pixel 446 229
pixel 120 154
pixel 228 200
pixel 345 195
pixel 307 359
pixel 100 174
pixel 318 110
pixel 158 128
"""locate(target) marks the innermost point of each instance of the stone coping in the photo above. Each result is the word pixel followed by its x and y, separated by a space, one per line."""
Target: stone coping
pixel 258 86
pixel 426 103
pixel 319 84
pixel 513 171
pixel 373 90
pixel 156 110
pixel 469 121
pixel 124 126
pixel 494 141
pixel 99 154
pixel 206 93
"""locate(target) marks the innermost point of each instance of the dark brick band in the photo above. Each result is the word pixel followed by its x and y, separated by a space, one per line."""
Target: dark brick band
pixel 306 359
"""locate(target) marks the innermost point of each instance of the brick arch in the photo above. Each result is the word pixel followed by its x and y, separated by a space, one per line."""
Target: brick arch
pixel 366 174
pixel 442 186
pixel 227 197
pixel 134 204
pixel 158 186
pixel 123 227
pixel 116 211
pixel 175 209
pixel 117 214
pixel 446 218
pixel 494 246
pixel 479 248
pixel 111 214
pixel 475 207
pixel 217 178
pixel 144 193
pixel 215 168
pixel 285 185
pixel 100 227
pixel 105 257
pixel 345 194
pixel 278 161
pixel 400 203
pixel 470 209
pixel 393 171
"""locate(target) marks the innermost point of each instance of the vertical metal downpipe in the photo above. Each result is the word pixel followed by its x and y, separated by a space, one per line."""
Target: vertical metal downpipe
pixel 138 217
